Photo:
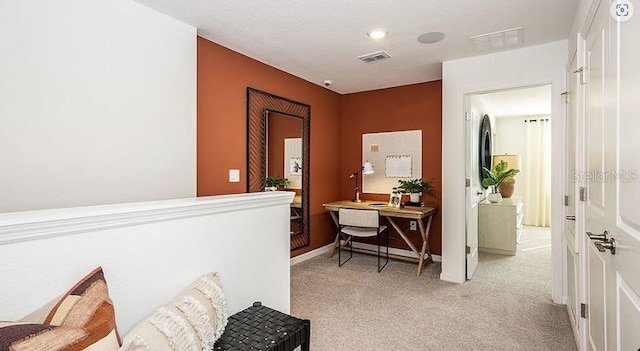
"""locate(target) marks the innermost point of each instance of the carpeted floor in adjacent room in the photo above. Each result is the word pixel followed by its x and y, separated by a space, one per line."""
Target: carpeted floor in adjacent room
pixel 506 306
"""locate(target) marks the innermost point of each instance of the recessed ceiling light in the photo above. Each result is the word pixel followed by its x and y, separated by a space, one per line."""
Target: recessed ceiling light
pixel 377 33
pixel 431 37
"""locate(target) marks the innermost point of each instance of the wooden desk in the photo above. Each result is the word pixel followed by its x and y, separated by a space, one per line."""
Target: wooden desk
pixel 295 224
pixel 297 201
pixel 391 213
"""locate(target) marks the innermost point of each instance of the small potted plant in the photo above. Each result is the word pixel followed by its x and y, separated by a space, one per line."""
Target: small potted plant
pixel 414 187
pixel 273 183
pixel 495 176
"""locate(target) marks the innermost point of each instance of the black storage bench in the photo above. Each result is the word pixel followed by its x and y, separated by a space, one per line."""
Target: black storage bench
pixel 262 328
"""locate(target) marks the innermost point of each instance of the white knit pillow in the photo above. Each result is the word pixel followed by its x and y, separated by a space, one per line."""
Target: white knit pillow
pixel 193 321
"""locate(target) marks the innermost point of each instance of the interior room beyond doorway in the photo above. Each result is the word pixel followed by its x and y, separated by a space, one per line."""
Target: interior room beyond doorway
pixel 523 127
pixel 513 125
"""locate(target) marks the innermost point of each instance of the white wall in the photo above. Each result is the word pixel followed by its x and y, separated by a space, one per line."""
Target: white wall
pixel 511 138
pixel 97 104
pixel 536 65
pixel 149 252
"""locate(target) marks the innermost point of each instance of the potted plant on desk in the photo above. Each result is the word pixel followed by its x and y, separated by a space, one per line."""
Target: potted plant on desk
pixel 414 188
pixel 273 183
pixel 495 177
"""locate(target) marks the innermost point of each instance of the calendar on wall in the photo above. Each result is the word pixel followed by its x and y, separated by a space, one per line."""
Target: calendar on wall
pixel 397 166
pixel 293 162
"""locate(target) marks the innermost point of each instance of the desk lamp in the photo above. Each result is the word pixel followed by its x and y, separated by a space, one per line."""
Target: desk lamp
pixel 367 168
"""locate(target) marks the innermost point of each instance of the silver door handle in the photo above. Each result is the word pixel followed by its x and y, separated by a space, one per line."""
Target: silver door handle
pixel 600 237
pixel 571 218
pixel 607 245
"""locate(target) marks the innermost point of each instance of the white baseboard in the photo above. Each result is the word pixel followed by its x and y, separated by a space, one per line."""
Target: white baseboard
pixel 393 250
pixel 325 249
pixel 311 254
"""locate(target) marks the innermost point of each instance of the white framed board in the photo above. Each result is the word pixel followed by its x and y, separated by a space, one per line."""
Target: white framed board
pixel 394 155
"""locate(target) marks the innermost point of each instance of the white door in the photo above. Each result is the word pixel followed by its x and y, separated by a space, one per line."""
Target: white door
pixel 613 187
pixel 471 193
pixel 572 99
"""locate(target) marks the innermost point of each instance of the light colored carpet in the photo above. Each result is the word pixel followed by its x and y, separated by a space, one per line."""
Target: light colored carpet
pixel 507 305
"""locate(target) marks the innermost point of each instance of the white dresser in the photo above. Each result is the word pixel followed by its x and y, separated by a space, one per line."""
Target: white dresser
pixel 499 226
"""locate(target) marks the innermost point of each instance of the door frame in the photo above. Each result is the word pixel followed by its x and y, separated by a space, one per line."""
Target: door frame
pixel 580 164
pixel 580 244
pixel 530 66
pixel 558 159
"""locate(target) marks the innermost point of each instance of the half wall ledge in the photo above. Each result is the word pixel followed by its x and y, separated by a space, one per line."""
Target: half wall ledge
pixel 39 224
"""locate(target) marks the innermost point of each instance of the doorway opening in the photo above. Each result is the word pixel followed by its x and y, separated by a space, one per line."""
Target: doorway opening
pixel 519 133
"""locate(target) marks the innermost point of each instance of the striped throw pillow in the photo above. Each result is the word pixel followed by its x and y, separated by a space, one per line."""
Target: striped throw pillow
pixel 82 319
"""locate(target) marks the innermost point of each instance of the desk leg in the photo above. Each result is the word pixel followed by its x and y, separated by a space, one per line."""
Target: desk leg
pixel 336 242
pixel 403 235
pixel 424 232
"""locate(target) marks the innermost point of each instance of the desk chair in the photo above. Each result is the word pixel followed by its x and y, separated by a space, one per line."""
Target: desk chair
pixel 362 224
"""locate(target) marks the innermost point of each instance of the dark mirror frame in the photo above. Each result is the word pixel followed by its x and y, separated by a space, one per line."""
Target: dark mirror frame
pixel 257 103
pixel 485 146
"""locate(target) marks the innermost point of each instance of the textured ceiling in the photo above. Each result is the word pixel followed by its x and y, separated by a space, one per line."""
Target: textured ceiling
pixel 321 39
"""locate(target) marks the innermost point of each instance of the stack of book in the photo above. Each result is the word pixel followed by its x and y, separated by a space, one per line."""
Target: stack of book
pixel 414 204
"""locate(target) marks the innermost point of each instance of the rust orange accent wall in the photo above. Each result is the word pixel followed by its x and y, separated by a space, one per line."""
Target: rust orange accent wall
pixel 410 107
pixel 223 78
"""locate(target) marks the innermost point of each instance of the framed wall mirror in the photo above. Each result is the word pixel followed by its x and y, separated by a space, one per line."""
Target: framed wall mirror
pixel 278 145
pixel 485 146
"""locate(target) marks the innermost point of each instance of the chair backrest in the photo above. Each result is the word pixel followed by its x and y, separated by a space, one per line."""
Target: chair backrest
pixel 359 218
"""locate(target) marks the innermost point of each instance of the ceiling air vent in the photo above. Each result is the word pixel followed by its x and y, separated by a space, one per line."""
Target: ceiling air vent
pixel 505 39
pixel 373 57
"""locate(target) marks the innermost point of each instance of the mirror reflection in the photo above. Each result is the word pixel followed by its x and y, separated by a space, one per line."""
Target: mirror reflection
pixel 284 159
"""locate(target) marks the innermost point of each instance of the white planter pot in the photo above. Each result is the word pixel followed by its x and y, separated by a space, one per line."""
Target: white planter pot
pixel 494 197
pixel 270 188
pixel 414 197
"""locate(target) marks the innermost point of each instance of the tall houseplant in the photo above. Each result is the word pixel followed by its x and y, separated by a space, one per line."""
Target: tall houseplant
pixel 414 187
pixel 495 176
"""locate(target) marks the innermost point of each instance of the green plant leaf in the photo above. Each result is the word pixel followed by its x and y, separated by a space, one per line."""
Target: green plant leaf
pixel 414 186
pixel 276 181
pixel 487 182
pixel 498 174
pixel 489 173
pixel 500 167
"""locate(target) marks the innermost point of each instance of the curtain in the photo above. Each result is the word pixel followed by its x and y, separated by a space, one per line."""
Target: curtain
pixel 537 167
